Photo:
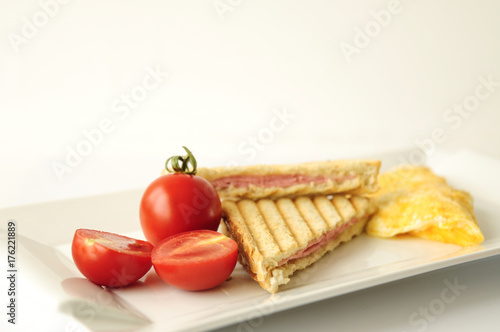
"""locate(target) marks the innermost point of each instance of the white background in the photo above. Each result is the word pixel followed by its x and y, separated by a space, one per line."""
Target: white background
pixel 226 73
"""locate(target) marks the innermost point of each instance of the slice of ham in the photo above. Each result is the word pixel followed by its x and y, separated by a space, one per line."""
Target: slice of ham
pixel 278 180
pixel 320 242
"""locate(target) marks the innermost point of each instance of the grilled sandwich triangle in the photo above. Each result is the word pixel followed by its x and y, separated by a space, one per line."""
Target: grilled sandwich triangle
pixel 278 237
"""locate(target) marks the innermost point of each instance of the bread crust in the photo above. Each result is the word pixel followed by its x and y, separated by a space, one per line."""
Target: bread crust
pixel 309 168
pixel 361 178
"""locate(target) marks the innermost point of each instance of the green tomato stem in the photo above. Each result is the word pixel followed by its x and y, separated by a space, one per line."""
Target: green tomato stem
pixel 180 164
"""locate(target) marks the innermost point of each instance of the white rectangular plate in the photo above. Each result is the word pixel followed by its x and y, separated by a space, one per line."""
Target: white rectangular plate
pixel 46 230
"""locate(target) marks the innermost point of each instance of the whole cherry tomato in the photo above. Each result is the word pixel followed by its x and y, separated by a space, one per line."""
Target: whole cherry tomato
pixel 179 202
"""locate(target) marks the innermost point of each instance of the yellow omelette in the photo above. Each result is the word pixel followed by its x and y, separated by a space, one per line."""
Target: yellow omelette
pixel 415 201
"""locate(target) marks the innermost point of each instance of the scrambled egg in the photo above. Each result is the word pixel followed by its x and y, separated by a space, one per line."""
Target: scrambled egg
pixel 415 201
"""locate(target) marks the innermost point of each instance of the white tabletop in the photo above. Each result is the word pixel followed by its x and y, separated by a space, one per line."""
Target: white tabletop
pixel 95 96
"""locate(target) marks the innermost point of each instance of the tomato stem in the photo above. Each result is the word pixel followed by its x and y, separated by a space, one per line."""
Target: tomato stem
pixel 180 164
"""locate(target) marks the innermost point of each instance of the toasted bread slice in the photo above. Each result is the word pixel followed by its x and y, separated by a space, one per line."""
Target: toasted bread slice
pixel 274 181
pixel 278 237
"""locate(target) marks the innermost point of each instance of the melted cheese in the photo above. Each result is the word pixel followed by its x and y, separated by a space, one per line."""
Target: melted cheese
pixel 417 202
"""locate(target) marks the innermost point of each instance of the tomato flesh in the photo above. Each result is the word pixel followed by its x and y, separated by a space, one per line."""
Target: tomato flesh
pixel 176 203
pixel 195 260
pixel 109 259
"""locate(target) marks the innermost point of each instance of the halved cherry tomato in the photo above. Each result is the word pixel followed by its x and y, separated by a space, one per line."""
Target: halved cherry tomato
pixel 179 202
pixel 109 259
pixel 195 260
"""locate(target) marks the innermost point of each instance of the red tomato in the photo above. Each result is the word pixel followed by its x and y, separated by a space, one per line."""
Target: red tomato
pixel 109 259
pixel 195 260
pixel 176 203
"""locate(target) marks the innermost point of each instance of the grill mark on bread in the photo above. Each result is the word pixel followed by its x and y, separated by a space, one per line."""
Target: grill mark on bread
pixel 258 228
pixel 328 212
pixel 309 213
pixel 277 225
pixel 240 233
pixel 344 206
pixel 299 228
pixel 359 203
